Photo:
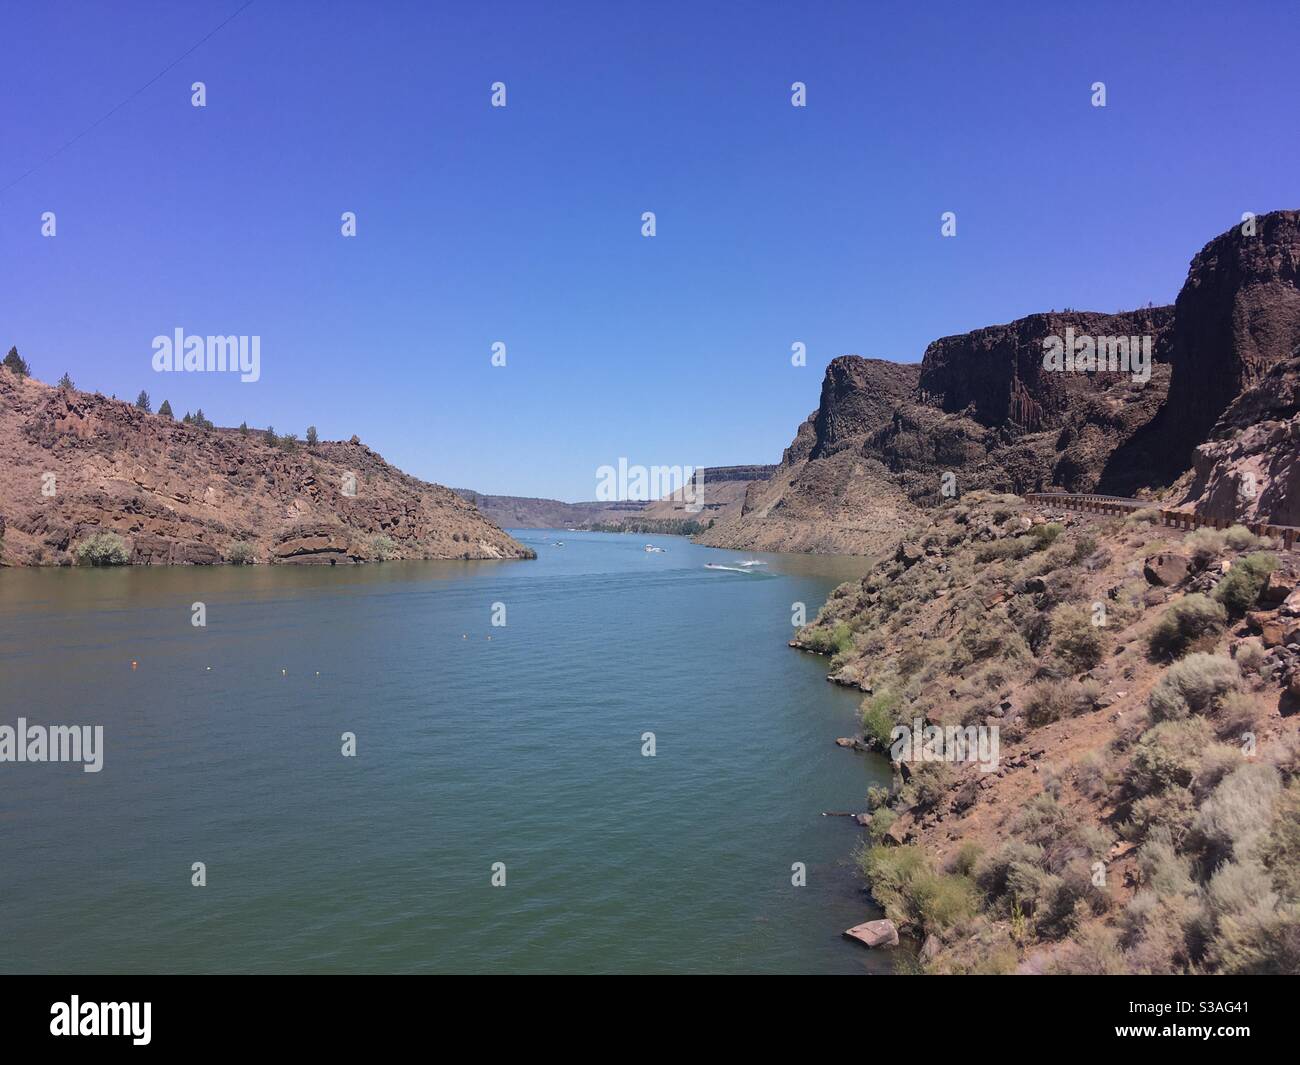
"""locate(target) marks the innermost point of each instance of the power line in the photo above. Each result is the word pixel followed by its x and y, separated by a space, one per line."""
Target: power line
pixel 59 151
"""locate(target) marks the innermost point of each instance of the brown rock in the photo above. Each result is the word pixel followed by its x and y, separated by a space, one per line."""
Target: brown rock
pixel 908 554
pixel 877 934
pixel 1166 569
pixel 178 494
pixel 1277 588
pixel 1269 626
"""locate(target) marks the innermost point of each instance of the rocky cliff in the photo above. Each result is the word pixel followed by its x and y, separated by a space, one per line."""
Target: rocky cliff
pixel 78 464
pixel 832 492
pixel 1237 315
pixel 981 411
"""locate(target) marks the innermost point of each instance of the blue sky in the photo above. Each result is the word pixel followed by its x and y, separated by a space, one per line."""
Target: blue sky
pixel 523 224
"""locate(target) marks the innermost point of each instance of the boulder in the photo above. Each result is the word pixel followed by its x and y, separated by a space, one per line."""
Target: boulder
pixel 315 544
pixel 1291 608
pixel 878 934
pixel 1278 588
pixel 1166 569
pixel 1269 626
pixel 148 549
pixel 908 553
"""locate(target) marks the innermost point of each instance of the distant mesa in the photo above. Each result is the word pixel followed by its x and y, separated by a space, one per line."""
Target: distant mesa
pixel 724 489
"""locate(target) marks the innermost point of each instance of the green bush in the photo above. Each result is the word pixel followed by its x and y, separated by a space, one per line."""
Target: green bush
pixel 240 554
pixel 1047 701
pixel 1145 516
pixel 381 547
pixel 826 640
pixel 1191 618
pixel 1075 638
pixel 881 820
pixel 102 549
pixel 878 714
pixel 1166 756
pixel 1196 685
pixel 1239 538
pixel 1241 808
pixel 1014 863
pixel 912 893
pixel 1239 590
pixel 1206 545
pixel 1280 850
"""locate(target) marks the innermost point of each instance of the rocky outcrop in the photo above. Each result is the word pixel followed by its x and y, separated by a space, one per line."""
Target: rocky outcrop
pixel 316 544
pixel 77 464
pixel 877 934
pixel 996 374
pixel 1238 314
pixel 982 412
pixel 832 492
pixel 1249 470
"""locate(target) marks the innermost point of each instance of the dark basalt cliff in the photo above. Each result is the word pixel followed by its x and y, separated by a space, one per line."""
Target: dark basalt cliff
pixel 981 412
pixel 1237 315
pixel 996 374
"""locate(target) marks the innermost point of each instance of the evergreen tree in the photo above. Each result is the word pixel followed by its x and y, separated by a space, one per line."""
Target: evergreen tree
pixel 270 435
pixel 16 364
pixel 65 381
pixel 312 438
pixel 243 428
pixel 142 401
pixel 188 419
pixel 165 411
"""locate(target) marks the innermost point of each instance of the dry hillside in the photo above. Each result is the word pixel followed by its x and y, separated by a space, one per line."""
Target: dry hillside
pixel 1144 812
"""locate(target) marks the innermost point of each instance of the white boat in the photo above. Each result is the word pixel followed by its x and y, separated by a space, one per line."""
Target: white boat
pixel 656 550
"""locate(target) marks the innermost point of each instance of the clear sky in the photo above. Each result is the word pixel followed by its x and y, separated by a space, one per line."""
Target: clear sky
pixel 522 224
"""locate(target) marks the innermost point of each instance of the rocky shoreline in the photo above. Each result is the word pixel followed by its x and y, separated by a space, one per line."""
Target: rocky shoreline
pixel 1142 684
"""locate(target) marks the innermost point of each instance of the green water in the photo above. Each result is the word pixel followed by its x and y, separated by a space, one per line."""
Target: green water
pixel 523 749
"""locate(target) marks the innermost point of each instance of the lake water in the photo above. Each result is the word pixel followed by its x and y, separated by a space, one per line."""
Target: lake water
pixel 523 749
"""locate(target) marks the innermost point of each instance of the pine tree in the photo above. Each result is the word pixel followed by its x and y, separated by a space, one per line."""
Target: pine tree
pixel 188 419
pixel 243 428
pixel 142 401
pixel 65 382
pixel 270 435
pixel 312 438
pixel 16 364
pixel 165 411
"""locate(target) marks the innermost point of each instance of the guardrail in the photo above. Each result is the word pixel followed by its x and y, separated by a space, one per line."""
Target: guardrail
pixel 1092 503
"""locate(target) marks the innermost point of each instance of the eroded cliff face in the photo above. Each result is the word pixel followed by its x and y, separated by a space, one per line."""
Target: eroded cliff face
pixel 1237 315
pixel 889 439
pixel 981 411
pixel 77 464
pixel 997 375
pixel 1249 469
pixel 831 493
